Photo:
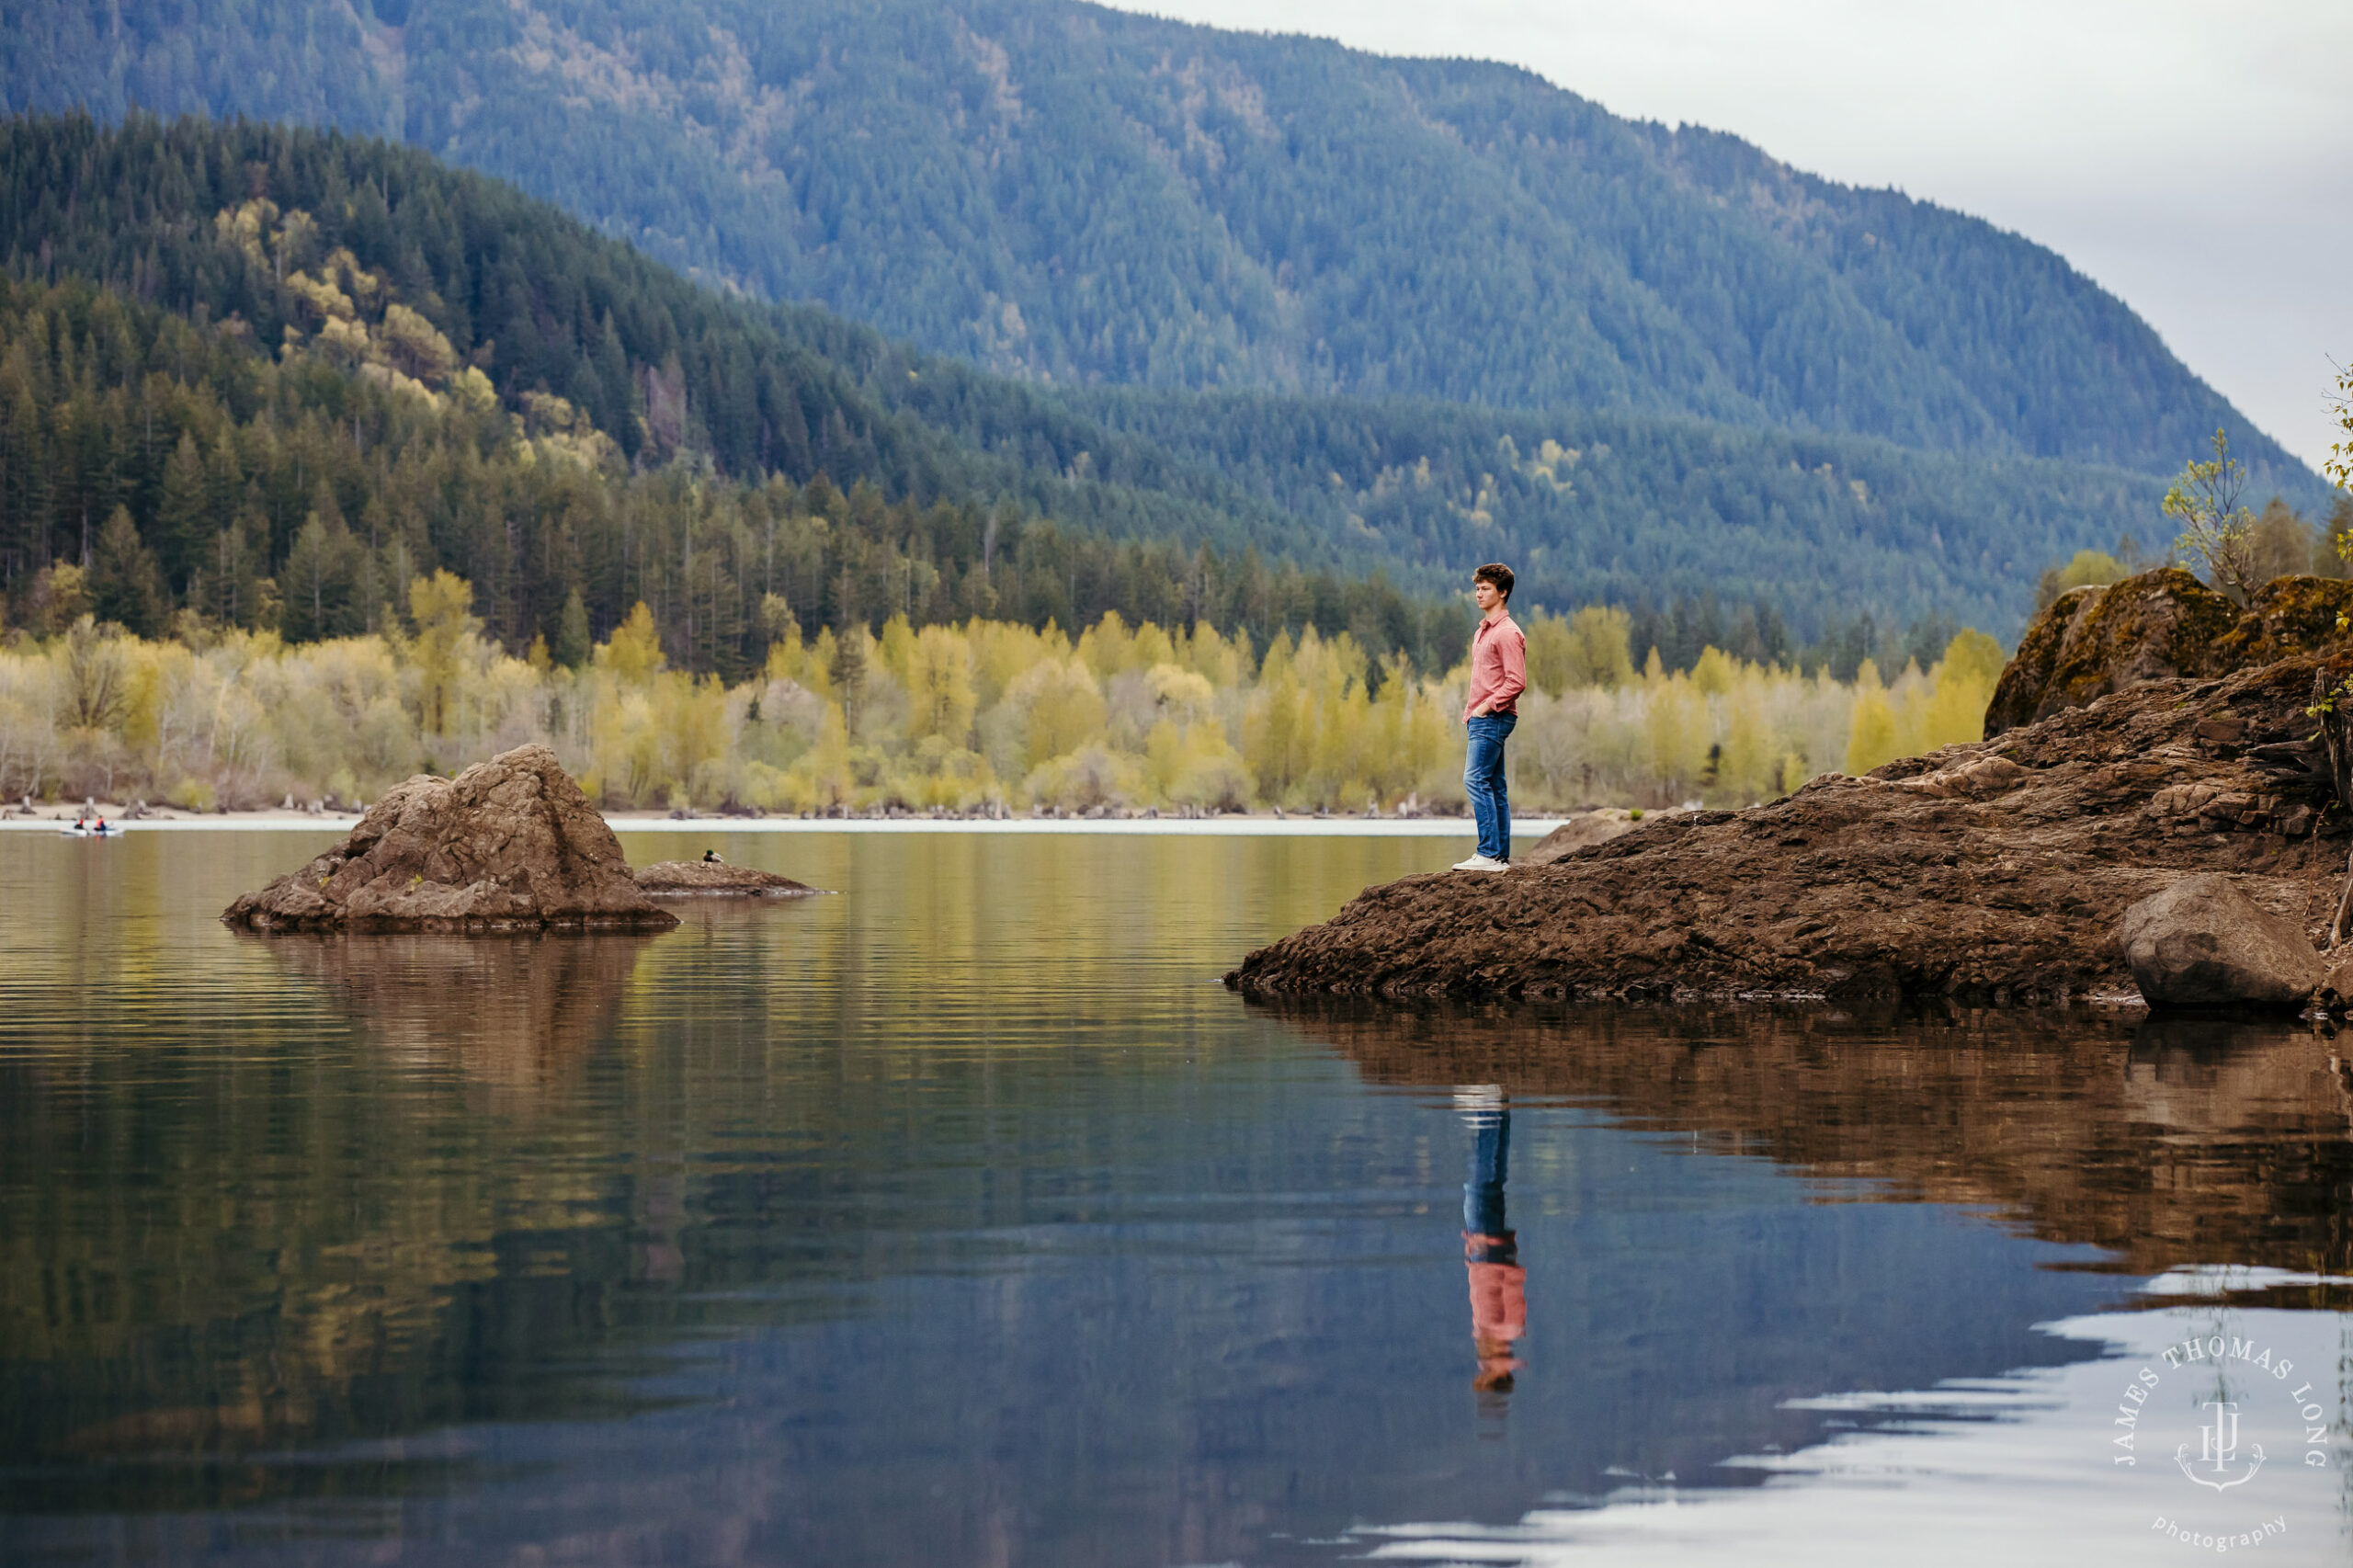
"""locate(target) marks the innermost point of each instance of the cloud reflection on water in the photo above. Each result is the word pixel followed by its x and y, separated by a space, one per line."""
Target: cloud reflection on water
pixel 2017 1469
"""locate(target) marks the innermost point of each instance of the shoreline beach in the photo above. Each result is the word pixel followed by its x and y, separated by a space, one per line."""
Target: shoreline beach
pixel 1262 824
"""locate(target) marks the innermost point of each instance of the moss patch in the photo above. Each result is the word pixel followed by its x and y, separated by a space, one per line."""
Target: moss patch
pixel 2288 616
pixel 2160 624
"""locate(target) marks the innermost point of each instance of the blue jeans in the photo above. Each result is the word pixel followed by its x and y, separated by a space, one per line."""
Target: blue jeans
pixel 1482 780
pixel 1482 1195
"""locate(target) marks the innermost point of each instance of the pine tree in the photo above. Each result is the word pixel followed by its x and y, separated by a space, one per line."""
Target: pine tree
pixel 25 463
pixel 184 515
pixel 572 642
pixel 847 672
pixel 124 584
pixel 319 583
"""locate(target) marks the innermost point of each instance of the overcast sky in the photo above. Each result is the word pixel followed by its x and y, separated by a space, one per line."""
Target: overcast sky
pixel 2193 156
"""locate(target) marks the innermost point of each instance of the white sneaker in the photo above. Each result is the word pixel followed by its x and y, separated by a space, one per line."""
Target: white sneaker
pixel 1482 863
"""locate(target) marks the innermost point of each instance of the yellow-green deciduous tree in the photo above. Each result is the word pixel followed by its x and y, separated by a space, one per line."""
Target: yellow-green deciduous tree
pixel 2339 462
pixel 940 686
pixel 2086 568
pixel 1871 741
pixel 2216 528
pixel 441 609
pixel 984 714
pixel 1588 647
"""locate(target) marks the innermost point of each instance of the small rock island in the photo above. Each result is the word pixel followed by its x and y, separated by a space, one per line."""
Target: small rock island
pixel 716 878
pixel 2146 733
pixel 510 845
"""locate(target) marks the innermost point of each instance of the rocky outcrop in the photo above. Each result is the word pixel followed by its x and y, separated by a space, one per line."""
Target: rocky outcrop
pixel 2333 995
pixel 1580 832
pixel 508 844
pixel 2092 641
pixel 2202 943
pixel 1997 870
pixel 2158 626
pixel 715 879
pixel 2287 617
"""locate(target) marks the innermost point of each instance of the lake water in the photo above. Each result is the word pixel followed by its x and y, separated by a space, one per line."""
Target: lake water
pixel 965 1218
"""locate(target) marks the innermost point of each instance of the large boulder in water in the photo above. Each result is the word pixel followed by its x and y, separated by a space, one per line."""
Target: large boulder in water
pixel 2092 641
pixel 511 844
pixel 2203 943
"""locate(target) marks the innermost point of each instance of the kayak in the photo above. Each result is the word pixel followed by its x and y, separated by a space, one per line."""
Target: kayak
pixel 77 831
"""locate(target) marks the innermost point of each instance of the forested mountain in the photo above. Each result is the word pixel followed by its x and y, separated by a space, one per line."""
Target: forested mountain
pixel 1093 197
pixel 257 232
pixel 1639 510
pixel 267 374
pixel 542 304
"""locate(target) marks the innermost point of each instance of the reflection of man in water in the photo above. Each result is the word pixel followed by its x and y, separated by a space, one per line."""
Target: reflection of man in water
pixel 1490 1251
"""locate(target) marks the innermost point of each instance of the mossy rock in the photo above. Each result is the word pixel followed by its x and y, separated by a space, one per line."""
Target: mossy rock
pixel 2092 641
pixel 2288 616
pixel 2025 677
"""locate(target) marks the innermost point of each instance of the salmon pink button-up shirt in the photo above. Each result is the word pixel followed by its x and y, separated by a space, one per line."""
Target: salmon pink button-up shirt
pixel 1498 666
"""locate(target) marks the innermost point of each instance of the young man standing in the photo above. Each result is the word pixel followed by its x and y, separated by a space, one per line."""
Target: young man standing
pixel 1498 675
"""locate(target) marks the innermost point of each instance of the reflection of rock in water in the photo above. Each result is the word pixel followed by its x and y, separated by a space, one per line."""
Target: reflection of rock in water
pixel 356 1299
pixel 513 1012
pixel 2172 1142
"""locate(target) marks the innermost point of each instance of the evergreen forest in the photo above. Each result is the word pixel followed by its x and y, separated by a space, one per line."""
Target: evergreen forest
pixel 1093 197
pixel 281 372
pixel 281 353
pixel 321 463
